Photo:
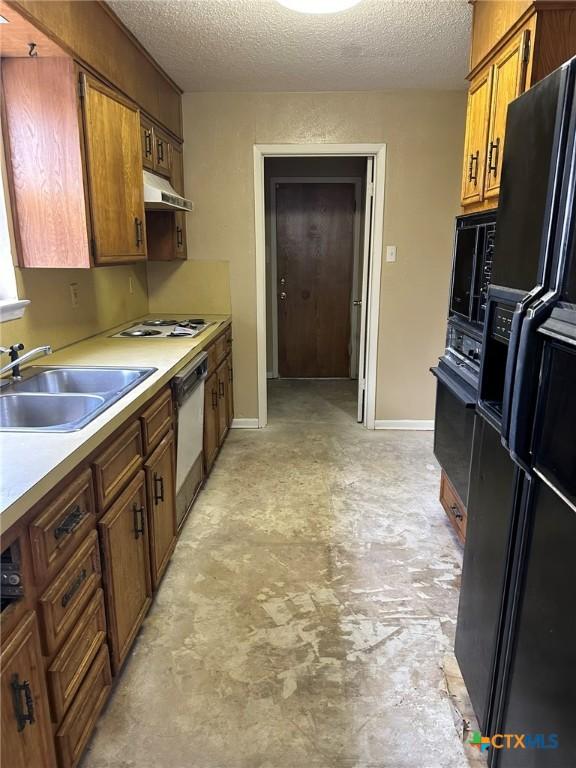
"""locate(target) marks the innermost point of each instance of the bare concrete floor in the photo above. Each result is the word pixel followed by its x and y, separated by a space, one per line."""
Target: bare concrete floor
pixel 304 617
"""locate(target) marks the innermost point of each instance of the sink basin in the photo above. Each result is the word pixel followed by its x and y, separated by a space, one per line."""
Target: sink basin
pixel 63 399
pixel 81 380
pixel 47 412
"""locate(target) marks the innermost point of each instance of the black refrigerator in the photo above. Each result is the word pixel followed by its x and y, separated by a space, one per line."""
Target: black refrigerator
pixel 516 630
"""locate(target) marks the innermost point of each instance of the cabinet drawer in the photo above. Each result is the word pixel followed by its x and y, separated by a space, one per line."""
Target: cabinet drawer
pixel 64 600
pixel 221 345
pixel 56 532
pixel 453 507
pixel 77 726
pixel 156 421
pixel 69 668
pixel 114 467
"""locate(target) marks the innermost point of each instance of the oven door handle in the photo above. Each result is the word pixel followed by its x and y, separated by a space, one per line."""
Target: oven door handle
pixel 461 392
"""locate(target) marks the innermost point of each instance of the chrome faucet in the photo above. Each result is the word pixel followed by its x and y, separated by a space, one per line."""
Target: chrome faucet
pixel 16 361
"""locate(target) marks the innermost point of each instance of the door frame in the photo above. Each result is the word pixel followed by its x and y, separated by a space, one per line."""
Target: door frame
pixel 378 152
pixel 357 182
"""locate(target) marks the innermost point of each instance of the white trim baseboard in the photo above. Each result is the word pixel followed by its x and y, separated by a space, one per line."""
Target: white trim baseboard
pixel 415 424
pixel 245 424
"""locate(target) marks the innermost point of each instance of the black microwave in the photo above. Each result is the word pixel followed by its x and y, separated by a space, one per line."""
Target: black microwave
pixel 472 265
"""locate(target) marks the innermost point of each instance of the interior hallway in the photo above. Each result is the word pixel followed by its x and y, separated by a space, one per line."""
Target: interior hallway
pixel 305 615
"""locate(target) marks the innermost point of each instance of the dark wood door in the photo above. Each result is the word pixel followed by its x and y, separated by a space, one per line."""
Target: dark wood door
pixel 315 255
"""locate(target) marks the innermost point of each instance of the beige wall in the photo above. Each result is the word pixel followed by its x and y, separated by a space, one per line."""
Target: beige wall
pixel 423 132
pixel 104 301
pixel 195 286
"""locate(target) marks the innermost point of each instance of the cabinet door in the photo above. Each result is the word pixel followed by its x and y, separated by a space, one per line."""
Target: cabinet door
pixel 26 731
pixel 222 373
pixel 508 82
pixel 230 391
pixel 114 171
pixel 126 567
pixel 211 420
pixel 147 140
pixel 177 180
pixel 160 486
pixel 477 117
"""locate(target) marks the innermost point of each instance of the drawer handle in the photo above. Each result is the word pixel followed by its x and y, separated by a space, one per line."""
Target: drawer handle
pixel 473 164
pixel 158 488
pixel 27 715
pixel 493 152
pixel 70 522
pixel 74 587
pixel 138 517
pixel 139 235
pixel 456 512
pixel 148 143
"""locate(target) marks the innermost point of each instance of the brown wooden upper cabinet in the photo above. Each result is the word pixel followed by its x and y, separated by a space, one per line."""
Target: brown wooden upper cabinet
pixel 514 45
pixel 166 230
pixel 75 169
pixel 112 134
pixel 156 148
pixel 26 731
pixel 475 139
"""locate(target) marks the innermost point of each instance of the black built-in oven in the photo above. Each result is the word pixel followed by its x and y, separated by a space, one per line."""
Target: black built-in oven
pixel 472 265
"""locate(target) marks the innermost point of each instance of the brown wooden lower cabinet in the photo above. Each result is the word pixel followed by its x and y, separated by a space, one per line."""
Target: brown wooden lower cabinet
pixel 230 391
pixel 161 492
pixel 453 506
pixel 77 726
pixel 26 737
pixel 223 424
pixel 68 669
pixel 211 421
pixel 91 554
pixel 126 567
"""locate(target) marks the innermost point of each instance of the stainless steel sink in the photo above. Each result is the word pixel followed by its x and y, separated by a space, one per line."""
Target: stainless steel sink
pixel 51 412
pixel 63 399
pixel 80 380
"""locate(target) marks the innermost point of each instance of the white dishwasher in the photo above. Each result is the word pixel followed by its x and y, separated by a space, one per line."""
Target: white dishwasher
pixel 188 389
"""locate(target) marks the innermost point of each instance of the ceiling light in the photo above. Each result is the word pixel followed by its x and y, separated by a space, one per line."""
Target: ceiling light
pixel 318 6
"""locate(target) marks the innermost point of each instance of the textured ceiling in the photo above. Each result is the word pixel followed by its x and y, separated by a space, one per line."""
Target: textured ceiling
pixel 258 45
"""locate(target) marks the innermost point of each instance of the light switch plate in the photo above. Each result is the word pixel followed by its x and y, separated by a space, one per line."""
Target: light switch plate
pixel 390 253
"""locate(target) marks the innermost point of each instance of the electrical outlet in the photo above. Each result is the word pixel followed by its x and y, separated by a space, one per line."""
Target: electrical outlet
pixel 74 295
pixel 390 253
pixel 130 285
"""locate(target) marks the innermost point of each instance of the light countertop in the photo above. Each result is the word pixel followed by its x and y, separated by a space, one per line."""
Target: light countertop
pixel 32 463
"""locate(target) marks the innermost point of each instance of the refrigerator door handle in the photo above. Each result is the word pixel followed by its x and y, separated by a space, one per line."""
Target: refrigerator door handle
pixel 511 371
pixel 523 400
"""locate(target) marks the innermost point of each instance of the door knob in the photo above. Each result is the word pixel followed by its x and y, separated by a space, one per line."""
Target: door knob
pixel 283 294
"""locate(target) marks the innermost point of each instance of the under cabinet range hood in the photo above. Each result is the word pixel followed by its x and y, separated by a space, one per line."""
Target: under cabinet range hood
pixel 159 195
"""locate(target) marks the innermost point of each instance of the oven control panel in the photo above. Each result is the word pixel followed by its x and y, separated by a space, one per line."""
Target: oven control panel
pixel 486 269
pixel 501 325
